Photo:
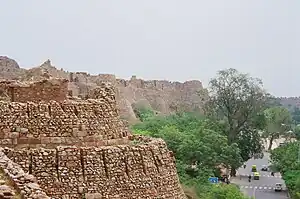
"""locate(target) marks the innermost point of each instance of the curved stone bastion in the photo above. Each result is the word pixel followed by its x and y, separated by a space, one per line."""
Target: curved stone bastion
pixel 137 170
pixel 74 149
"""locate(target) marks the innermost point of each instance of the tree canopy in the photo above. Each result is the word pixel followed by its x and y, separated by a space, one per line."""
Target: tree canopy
pixel 285 159
pixel 239 100
pixel 278 123
pixel 199 145
pixel 236 98
pixel 227 134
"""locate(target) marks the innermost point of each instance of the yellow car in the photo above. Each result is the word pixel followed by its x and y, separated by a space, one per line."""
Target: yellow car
pixel 254 169
pixel 256 176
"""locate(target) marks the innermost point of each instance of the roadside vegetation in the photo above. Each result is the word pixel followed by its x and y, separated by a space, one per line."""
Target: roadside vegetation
pixel 286 159
pixel 199 145
pixel 229 131
pixel 225 134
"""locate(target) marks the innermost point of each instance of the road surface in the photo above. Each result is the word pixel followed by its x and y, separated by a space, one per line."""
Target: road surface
pixel 262 188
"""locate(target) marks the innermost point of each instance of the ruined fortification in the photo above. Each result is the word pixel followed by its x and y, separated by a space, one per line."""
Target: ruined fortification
pixel 162 96
pixel 58 146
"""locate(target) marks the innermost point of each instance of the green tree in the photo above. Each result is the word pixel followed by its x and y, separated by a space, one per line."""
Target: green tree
pixel 144 113
pixel 249 143
pixel 297 131
pixel 195 141
pixel 296 115
pixel 278 122
pixel 285 159
pixel 238 100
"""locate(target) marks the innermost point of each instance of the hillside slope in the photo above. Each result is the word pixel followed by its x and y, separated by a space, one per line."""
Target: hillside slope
pixel 163 96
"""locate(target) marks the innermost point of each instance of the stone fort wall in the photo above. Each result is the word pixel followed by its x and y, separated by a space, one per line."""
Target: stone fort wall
pixel 44 90
pixel 158 84
pixel 77 148
pixel 23 182
pixel 143 169
pixel 68 122
pixel 78 122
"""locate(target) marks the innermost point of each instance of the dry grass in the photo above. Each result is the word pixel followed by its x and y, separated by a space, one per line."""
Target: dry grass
pixel 10 184
pixel 189 192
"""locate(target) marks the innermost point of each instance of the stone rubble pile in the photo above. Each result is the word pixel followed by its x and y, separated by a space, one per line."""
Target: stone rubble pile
pixel 21 156
pixel 24 182
pixel 6 192
pixel 105 92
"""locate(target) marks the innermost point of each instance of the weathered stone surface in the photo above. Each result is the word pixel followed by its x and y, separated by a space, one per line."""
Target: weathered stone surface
pixel 9 69
pixel 146 170
pixel 77 148
pixel 44 90
pixel 163 96
pixel 53 123
pixel 24 182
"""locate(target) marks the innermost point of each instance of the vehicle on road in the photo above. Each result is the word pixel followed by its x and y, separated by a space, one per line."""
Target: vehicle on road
pixel 254 169
pixel 272 173
pixel 264 168
pixel 256 176
pixel 278 187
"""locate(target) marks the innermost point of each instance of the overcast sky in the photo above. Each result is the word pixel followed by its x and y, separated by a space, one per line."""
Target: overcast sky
pixel 159 39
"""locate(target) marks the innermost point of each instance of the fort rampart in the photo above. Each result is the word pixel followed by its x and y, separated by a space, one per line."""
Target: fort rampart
pixel 142 169
pixel 25 183
pixel 68 122
pixel 78 148
pixel 44 90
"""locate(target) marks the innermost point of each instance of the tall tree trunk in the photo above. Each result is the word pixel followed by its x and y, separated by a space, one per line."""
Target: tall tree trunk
pixel 271 143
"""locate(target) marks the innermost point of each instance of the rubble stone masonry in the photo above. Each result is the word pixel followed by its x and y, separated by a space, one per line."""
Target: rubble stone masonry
pixel 70 122
pixel 78 148
pixel 25 183
pixel 44 90
pixel 138 170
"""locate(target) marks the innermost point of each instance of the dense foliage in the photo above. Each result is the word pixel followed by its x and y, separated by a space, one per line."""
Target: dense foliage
pixel 227 134
pixel 239 100
pixel 199 142
pixel 296 115
pixel 278 123
pixel 285 159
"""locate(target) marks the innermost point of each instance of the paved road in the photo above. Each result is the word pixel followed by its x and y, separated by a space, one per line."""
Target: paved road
pixel 262 188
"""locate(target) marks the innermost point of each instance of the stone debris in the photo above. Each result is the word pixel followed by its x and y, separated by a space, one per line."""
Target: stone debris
pixel 24 182
pixel 6 192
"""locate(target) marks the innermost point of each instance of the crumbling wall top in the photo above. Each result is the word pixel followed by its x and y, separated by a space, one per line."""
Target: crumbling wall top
pixel 35 91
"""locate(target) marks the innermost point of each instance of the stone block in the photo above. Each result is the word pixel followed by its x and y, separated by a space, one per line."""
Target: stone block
pixel 22 140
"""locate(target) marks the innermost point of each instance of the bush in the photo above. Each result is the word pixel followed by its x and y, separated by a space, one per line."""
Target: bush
pixel 143 113
pixel 285 158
